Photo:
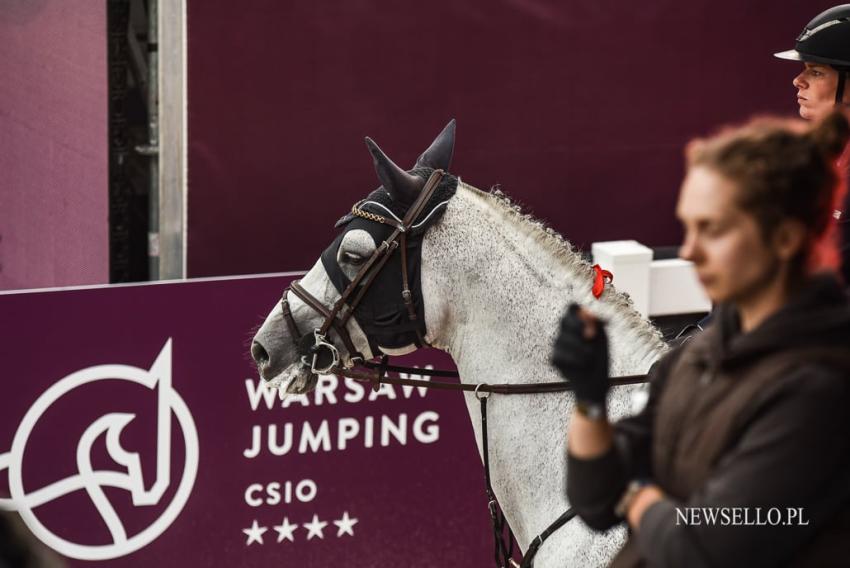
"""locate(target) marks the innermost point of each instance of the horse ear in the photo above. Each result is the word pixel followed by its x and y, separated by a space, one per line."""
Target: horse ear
pixel 402 186
pixel 439 154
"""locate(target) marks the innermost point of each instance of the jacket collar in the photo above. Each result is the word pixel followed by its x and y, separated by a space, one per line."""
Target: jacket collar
pixel 818 315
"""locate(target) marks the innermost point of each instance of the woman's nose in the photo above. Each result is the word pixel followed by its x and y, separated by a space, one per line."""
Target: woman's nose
pixel 688 250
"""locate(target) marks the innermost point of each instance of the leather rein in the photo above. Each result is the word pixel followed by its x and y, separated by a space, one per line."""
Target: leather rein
pixel 337 317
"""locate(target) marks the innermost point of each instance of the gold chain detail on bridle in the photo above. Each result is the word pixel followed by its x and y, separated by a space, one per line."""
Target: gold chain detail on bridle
pixel 355 210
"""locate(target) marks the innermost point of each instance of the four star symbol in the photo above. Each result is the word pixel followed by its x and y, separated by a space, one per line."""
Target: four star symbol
pixel 255 533
pixel 345 524
pixel 286 530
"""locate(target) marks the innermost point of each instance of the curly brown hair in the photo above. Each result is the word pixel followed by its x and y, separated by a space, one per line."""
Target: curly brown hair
pixel 784 169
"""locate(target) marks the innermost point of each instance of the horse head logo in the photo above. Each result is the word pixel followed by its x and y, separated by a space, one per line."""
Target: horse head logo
pixel 91 480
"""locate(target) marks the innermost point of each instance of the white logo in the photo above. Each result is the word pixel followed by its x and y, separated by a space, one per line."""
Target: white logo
pixel 92 480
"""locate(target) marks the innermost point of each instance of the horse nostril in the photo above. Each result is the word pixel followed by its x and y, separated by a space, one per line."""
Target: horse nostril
pixel 259 353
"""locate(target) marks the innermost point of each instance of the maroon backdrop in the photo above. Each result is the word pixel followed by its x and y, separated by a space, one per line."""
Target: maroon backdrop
pixel 578 109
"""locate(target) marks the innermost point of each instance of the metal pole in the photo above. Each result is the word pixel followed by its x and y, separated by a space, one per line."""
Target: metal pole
pixel 172 139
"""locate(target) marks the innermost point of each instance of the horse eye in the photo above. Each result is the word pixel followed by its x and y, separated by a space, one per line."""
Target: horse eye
pixel 352 258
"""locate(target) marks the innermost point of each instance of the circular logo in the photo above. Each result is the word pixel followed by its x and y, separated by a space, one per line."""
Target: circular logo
pixel 92 480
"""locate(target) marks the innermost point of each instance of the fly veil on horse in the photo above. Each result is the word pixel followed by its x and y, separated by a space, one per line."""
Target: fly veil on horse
pixel 429 260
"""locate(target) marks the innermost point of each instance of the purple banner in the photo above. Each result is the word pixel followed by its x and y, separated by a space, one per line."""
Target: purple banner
pixel 577 109
pixel 134 430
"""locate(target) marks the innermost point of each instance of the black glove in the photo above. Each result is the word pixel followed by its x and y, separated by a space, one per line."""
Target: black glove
pixel 584 362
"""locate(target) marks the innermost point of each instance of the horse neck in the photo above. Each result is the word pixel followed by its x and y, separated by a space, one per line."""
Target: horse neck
pixel 495 285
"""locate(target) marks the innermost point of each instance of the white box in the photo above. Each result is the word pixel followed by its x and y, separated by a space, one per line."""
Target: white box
pixel 675 289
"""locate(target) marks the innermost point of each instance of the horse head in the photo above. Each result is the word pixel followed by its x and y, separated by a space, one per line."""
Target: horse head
pixel 363 296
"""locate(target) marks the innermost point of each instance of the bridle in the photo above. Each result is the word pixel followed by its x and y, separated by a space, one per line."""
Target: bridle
pixel 323 357
pixel 338 316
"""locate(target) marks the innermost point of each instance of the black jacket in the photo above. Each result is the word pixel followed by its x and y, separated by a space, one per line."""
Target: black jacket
pixel 739 422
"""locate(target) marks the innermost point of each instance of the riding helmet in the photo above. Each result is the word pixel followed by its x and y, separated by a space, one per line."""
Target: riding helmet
pixel 825 40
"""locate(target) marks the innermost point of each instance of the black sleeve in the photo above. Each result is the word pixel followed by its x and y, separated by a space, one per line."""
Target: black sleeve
pixel 792 455
pixel 595 486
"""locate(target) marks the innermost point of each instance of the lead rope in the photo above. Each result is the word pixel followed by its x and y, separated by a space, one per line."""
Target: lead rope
pixel 502 552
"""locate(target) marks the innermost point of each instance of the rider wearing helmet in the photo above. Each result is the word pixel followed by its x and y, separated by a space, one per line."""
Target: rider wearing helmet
pixel 824 49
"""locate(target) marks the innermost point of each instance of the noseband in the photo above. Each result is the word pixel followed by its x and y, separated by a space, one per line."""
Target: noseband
pixel 316 351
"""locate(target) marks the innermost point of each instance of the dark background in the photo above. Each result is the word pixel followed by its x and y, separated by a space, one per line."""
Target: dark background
pixel 578 109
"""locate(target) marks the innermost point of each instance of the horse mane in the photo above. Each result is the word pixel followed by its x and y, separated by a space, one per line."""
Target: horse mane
pixel 571 260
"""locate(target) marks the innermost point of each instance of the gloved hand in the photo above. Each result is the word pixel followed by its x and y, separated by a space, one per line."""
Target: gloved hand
pixel 582 360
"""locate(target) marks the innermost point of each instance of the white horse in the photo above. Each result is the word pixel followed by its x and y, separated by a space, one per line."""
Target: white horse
pixel 494 284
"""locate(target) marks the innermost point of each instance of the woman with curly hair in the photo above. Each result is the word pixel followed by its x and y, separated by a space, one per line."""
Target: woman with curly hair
pixel 741 457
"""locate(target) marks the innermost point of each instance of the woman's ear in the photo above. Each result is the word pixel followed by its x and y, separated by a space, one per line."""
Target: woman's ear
pixel 789 239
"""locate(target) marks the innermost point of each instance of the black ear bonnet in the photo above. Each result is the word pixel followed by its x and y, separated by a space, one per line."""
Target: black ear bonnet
pixel 382 314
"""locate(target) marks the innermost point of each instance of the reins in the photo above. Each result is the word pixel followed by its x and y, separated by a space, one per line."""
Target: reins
pixel 378 378
pixel 503 542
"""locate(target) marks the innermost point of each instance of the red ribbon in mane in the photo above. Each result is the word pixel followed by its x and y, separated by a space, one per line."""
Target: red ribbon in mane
pixel 602 277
